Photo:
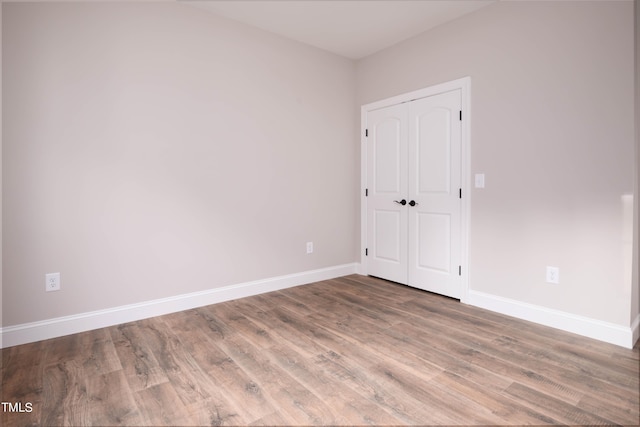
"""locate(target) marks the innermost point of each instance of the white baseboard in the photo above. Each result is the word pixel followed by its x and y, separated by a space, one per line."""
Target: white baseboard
pixel 592 328
pixel 52 328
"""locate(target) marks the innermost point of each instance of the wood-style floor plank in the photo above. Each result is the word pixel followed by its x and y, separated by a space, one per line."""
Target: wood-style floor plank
pixel 137 358
pixel 349 351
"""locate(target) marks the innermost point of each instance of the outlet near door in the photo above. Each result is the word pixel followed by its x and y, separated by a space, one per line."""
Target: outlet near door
pixel 553 275
pixel 309 247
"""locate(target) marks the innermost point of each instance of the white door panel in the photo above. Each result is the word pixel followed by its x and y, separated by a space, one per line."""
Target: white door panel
pixel 434 251
pixel 433 150
pixel 434 184
pixel 388 232
pixel 387 177
pixel 387 150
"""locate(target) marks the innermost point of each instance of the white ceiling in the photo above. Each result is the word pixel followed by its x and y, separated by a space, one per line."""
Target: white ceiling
pixel 350 28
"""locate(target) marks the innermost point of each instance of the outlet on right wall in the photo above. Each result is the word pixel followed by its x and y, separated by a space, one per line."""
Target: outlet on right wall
pixel 553 129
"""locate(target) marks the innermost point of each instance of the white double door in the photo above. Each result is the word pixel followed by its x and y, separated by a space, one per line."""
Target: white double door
pixel 414 193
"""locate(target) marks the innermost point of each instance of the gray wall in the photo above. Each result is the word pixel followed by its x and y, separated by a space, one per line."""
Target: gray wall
pixel 635 291
pixel 553 130
pixel 1 173
pixel 152 150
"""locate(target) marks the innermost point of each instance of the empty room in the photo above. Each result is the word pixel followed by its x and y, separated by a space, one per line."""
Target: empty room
pixel 343 212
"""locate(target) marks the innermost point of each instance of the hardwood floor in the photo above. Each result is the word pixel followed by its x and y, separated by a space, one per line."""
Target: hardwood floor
pixel 350 351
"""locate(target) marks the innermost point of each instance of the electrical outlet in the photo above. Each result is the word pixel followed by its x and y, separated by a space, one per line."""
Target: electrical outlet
pixel 309 247
pixel 52 282
pixel 553 275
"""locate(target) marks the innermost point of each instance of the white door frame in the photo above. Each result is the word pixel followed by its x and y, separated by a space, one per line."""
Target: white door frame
pixel 464 84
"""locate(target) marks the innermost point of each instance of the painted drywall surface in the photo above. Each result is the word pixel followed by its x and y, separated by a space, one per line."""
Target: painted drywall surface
pixel 152 150
pixel 1 299
pixel 635 291
pixel 552 129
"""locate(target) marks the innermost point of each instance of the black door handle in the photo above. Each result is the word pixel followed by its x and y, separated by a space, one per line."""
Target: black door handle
pixel 413 203
pixel 401 202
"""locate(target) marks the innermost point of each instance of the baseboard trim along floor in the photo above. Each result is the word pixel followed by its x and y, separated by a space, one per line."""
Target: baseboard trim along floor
pixel 61 326
pixel 568 322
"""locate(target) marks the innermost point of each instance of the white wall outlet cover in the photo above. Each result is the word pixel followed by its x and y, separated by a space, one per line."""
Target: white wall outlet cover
pixel 479 180
pixel 309 247
pixel 52 282
pixel 553 275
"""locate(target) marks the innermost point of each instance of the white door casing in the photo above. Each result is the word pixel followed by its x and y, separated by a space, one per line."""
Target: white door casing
pixel 423 134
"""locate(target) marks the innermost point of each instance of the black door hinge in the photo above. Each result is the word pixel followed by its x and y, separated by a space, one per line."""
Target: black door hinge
pixel 366 192
pixel 459 270
pixel 366 252
pixel 366 132
pixel 460 193
pixel 460 115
